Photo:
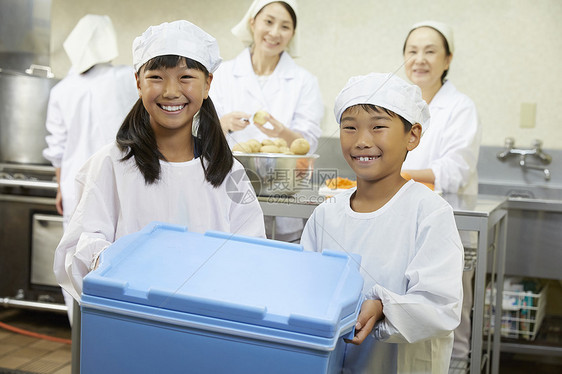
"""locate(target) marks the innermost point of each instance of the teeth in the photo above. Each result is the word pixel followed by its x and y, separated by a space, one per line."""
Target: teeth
pixel 172 108
pixel 366 158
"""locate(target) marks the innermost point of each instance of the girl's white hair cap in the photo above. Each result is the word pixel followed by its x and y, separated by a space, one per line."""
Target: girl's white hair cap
pixel 243 32
pixel 181 38
pixel 443 28
pixel 387 91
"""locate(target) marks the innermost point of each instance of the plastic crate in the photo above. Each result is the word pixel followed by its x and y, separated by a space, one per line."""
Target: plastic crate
pixel 522 313
pixel 166 300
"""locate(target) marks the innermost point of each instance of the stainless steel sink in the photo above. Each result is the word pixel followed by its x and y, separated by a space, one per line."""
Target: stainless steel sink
pixel 521 191
pixel 534 228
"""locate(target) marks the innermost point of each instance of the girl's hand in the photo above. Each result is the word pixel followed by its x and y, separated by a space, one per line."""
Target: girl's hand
pixel 235 121
pixel 371 312
pixel 273 131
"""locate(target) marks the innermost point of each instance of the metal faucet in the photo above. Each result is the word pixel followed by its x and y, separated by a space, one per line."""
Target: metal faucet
pixel 535 151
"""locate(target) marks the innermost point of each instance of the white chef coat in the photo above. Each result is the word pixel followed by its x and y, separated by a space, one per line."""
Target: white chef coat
pixel 84 113
pixel 451 144
pixel 412 260
pixel 114 200
pixel 291 95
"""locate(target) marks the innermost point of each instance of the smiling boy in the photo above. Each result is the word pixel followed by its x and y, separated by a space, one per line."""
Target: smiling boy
pixel 412 256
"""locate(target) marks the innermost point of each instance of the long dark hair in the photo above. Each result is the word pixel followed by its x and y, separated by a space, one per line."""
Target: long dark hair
pixel 137 139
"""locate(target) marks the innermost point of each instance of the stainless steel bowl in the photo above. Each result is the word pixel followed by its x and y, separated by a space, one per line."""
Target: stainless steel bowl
pixel 274 174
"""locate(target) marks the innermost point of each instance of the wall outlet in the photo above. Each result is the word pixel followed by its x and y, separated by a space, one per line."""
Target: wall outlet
pixel 528 115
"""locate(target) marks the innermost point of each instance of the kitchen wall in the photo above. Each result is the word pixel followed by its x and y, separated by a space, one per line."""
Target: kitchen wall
pixel 507 52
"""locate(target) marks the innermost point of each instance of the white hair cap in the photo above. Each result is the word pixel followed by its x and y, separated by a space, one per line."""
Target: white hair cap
pixel 442 28
pixel 243 32
pixel 92 41
pixel 386 91
pixel 180 38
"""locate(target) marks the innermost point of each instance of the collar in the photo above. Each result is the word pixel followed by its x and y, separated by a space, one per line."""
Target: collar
pixel 444 96
pixel 285 67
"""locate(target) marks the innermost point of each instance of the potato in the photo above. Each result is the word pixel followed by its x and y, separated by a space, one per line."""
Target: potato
pixel 260 117
pixel 267 142
pixel 300 146
pixel 242 147
pixel 269 149
pixel 280 142
pixel 254 145
pixel 284 150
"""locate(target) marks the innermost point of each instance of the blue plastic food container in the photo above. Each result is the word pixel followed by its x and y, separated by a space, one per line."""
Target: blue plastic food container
pixel 166 300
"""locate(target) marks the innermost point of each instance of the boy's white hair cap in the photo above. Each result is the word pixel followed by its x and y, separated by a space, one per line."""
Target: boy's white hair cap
pixel 386 91
pixel 92 41
pixel 180 38
pixel 243 32
pixel 443 28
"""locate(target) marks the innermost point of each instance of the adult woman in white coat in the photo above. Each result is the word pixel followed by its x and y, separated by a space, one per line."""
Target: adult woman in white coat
pixel 448 152
pixel 264 76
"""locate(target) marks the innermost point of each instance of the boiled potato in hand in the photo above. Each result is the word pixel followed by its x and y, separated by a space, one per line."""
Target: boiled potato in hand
pixel 260 117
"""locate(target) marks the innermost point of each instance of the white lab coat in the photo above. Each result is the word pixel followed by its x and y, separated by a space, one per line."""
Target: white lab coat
pixel 451 144
pixel 114 200
pixel 412 260
pixel 84 113
pixel 291 95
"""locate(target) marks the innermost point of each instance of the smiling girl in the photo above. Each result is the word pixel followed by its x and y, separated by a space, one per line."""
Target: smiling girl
pixel 158 170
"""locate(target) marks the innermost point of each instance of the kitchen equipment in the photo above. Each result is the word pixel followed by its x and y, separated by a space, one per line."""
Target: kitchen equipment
pixel 23 110
pixel 275 174
pixel 30 231
pixel 166 300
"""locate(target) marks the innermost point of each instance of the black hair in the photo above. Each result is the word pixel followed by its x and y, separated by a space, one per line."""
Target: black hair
pixel 445 44
pixel 288 8
pixel 378 109
pixel 136 137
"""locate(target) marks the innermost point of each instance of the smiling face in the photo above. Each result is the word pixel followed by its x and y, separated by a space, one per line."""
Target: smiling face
pixel 374 143
pixel 172 96
pixel 426 58
pixel 272 29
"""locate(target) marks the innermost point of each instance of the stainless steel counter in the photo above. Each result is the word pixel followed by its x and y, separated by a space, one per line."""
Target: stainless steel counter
pixel 484 214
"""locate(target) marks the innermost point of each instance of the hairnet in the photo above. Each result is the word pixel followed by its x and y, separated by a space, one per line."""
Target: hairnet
pixel 92 41
pixel 180 38
pixel 386 91
pixel 442 28
pixel 243 32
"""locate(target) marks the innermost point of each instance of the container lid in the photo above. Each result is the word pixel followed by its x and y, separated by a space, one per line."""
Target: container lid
pixel 249 280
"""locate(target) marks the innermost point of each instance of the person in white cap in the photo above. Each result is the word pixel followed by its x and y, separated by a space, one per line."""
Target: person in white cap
pixel 411 253
pixel 448 153
pixel 170 162
pixel 265 77
pixel 86 107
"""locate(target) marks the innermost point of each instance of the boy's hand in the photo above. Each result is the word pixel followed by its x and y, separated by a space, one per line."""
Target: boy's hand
pixel 371 312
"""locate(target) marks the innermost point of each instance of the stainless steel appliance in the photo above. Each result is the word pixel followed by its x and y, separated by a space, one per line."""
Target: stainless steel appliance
pixel 23 105
pixel 30 229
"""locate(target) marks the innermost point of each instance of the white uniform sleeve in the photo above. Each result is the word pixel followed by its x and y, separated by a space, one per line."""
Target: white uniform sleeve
pixel 432 304
pixel 459 155
pixel 309 239
pixel 245 213
pixel 56 140
pixel 309 112
pixel 91 228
